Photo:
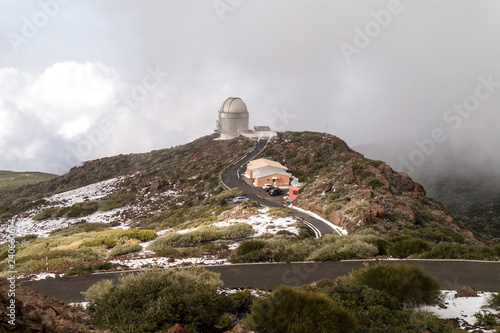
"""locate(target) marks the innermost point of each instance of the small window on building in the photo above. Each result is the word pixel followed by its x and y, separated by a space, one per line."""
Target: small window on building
pixel 295 192
pixel 268 179
pixel 260 180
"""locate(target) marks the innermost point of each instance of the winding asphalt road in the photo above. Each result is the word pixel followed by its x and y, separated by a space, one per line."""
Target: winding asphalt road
pixel 452 274
pixel 231 177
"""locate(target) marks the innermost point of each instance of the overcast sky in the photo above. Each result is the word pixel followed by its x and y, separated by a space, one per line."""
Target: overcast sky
pixel 83 79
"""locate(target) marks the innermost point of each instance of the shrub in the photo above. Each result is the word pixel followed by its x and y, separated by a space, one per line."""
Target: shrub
pixel 332 207
pixel 79 228
pixel 202 235
pixel 79 270
pixel 293 310
pixel 274 250
pixel 106 243
pixel 345 247
pixel 375 183
pixel 402 247
pixel 156 300
pixel 408 284
pixel 485 318
pixel 249 246
pixel 142 235
pixel 376 310
pixel 280 212
pixel 97 290
pixel 115 201
pixel 124 249
pixel 221 198
pixel 459 251
pixel 494 301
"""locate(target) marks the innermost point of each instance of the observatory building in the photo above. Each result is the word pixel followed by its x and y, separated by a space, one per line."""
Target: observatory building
pixel 233 118
pixel 233 122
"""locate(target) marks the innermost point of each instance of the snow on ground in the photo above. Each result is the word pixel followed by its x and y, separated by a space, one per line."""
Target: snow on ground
pixel 26 225
pixel 89 192
pixel 462 308
pixel 137 263
pixel 340 230
pixel 262 223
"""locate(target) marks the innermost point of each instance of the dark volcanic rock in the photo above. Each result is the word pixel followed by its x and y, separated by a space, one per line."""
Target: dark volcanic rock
pixel 35 312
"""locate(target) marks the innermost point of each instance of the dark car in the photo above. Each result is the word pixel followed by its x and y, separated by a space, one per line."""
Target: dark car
pixel 275 191
pixel 270 188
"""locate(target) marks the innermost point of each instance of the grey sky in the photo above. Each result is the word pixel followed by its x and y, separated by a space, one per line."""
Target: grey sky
pixel 99 78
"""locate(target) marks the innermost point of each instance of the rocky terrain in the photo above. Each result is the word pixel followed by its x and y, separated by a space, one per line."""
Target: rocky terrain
pixel 35 312
pixel 356 193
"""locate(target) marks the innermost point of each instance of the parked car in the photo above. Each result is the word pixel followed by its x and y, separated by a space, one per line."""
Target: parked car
pixel 275 191
pixel 267 187
pixel 240 199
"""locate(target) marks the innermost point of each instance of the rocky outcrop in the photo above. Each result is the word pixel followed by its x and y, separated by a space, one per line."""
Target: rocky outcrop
pixel 354 192
pixel 35 312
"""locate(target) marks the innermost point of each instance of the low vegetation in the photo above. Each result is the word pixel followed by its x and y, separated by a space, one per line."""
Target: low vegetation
pixel 201 236
pixel 74 247
pixel 156 300
pixel 289 309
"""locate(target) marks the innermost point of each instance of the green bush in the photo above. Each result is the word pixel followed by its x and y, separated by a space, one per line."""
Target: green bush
pixel 375 183
pixel 274 250
pixel 97 290
pixel 79 270
pixel 90 268
pixel 408 284
pixel 79 228
pixel 293 310
pixel 494 301
pixel 403 247
pixel 249 246
pixel 376 310
pixel 460 251
pixel 106 243
pixel 221 198
pixel 143 235
pixel 345 247
pixel 124 249
pixel 485 318
pixel 156 300
pixel 115 201
pixel 202 235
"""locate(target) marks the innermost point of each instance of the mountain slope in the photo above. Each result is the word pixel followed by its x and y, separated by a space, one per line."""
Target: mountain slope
pixel 463 177
pixel 357 193
pixel 10 180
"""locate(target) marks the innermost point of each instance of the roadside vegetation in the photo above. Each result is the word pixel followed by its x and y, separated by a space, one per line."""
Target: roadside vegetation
pixel 365 244
pixel 76 246
pixel 157 300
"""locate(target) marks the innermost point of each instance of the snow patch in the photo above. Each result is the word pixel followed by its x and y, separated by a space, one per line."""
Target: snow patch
pixel 462 308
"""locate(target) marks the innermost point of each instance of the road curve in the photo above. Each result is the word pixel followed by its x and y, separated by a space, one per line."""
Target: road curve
pixel 452 274
pixel 231 177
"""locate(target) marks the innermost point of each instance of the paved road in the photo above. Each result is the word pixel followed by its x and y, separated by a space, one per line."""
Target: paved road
pixel 231 177
pixel 452 274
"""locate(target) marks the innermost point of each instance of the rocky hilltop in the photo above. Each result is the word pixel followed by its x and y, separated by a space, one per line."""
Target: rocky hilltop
pixel 356 193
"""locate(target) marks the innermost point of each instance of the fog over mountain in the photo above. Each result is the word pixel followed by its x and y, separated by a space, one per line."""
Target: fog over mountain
pixel 84 79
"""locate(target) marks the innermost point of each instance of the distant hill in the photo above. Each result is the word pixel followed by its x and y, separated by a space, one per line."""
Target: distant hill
pixel 463 177
pixel 10 180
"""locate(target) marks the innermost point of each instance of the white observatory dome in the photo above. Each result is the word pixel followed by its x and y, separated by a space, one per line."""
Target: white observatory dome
pixel 233 118
pixel 234 105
